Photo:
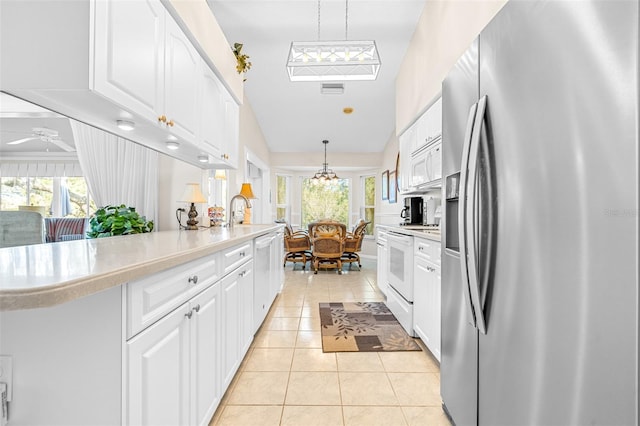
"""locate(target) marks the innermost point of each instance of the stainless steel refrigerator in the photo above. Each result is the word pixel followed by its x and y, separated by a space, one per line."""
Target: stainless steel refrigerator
pixel 540 248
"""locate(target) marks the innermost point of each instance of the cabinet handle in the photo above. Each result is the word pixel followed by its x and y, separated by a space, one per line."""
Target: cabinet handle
pixel 242 274
pixel 242 254
pixel 193 279
pixel 162 119
pixel 170 123
pixel 189 314
pixel 420 248
pixel 197 308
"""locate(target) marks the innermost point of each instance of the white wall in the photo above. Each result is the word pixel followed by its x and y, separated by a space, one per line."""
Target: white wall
pixel 445 29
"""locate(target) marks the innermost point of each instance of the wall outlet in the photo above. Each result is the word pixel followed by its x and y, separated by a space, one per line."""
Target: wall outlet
pixel 6 374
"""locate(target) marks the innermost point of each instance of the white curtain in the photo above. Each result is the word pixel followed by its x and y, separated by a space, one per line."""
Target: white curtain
pixel 117 170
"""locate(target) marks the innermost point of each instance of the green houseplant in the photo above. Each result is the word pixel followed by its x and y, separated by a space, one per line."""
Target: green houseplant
pixel 117 220
pixel 243 65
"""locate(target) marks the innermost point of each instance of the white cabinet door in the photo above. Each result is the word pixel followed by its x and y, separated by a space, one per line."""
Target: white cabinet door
pixel 181 86
pixel 212 115
pixel 434 121
pixel 247 329
pixel 205 354
pixel 231 131
pixel 231 320
pixel 158 372
pixel 426 304
pixel 128 63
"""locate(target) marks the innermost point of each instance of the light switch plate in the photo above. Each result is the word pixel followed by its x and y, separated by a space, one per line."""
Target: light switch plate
pixel 6 374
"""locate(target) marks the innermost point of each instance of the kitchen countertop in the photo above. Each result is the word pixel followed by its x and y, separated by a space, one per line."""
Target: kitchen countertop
pixel 414 230
pixel 43 275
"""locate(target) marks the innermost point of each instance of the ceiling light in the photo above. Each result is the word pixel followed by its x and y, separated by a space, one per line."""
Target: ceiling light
pixel 173 145
pixel 331 60
pixel 126 125
pixel 325 175
pixel 203 158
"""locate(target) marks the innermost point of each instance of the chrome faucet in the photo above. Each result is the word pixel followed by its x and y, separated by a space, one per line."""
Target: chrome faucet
pixel 232 213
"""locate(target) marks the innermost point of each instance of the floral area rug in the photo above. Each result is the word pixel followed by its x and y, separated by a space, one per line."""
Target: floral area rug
pixel 362 327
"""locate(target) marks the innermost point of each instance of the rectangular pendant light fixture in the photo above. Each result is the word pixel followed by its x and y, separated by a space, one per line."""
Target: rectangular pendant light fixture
pixel 343 60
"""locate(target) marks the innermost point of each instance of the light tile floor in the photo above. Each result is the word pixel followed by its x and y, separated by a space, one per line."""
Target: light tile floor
pixel 286 379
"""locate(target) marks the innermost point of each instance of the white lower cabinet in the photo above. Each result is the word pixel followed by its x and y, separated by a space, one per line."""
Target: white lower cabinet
pixel 172 368
pixel 426 294
pixel 206 329
pixel 237 312
pixel 178 367
pixel 158 362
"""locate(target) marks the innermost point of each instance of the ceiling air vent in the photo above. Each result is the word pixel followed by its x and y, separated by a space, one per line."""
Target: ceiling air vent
pixel 332 88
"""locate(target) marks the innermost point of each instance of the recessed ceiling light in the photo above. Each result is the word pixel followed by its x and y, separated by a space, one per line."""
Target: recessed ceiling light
pixel 126 125
pixel 203 158
pixel 347 110
pixel 173 145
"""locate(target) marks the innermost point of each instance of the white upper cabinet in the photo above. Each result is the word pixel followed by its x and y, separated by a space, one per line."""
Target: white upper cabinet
pixel 126 30
pixel 421 152
pixel 181 84
pixel 231 130
pixel 212 114
pixel 100 61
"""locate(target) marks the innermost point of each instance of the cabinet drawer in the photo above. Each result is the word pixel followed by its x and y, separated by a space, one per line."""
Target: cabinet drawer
pixel 427 249
pixel 152 297
pixel 235 256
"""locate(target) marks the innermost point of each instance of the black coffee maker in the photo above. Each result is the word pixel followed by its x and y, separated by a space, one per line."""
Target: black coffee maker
pixel 412 211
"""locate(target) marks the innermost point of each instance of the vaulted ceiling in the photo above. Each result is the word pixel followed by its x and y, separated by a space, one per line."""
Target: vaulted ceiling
pixel 295 116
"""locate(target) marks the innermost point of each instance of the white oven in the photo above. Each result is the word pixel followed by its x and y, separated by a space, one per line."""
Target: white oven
pixel 400 278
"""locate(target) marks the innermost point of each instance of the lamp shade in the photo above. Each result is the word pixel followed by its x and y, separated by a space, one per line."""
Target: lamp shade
pixel 192 194
pixel 220 175
pixel 247 191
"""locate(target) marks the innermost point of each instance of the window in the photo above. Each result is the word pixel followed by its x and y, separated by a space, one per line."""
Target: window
pixel 61 196
pixel 217 196
pixel 283 199
pixel 325 201
pixel 369 201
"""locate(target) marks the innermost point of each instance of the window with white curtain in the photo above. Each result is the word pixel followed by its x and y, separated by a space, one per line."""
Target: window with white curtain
pixel 58 187
pixel 283 198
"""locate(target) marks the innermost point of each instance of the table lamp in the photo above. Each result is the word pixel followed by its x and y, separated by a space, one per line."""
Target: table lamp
pixel 248 193
pixel 193 195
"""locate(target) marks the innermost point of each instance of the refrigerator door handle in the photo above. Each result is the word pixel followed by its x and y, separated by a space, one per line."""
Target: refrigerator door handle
pixel 463 213
pixel 473 219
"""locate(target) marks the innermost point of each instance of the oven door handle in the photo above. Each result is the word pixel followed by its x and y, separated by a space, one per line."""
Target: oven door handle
pixel 405 240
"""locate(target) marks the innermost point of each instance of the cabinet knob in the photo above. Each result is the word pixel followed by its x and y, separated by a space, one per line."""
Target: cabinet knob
pixel 193 279
pixel 170 123
pixel 162 119
pixel 189 314
pixel 197 308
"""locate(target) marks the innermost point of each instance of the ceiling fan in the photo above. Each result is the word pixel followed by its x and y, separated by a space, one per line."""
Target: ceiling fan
pixel 46 135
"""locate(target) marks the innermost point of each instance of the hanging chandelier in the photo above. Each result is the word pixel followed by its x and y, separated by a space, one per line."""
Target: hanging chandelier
pixel 325 175
pixel 333 60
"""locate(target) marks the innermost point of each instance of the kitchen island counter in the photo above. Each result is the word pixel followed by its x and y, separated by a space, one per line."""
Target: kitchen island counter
pixel 45 275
